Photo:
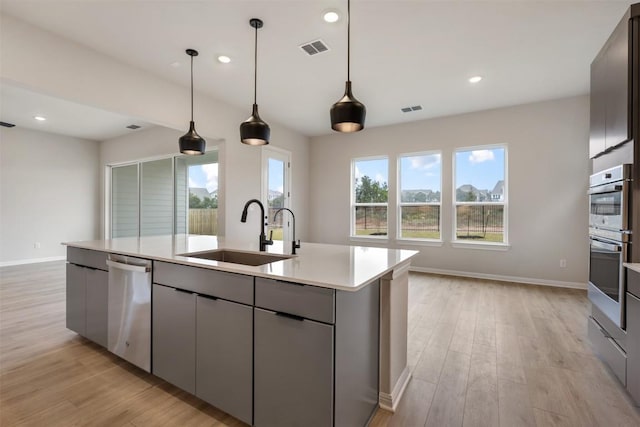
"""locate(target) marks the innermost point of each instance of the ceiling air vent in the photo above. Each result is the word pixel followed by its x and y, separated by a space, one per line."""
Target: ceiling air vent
pixel 7 125
pixel 314 47
pixel 133 127
pixel 410 109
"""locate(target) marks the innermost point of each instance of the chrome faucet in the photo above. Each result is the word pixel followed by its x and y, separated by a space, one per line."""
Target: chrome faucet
pixel 263 238
pixel 294 245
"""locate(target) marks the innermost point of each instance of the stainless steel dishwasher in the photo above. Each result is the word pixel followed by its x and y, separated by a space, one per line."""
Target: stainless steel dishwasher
pixel 129 309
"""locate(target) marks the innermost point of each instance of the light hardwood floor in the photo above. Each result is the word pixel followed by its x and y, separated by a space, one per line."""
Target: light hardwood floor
pixel 482 353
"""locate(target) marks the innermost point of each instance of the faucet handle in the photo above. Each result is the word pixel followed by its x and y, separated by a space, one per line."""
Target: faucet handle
pixel 271 235
pixel 297 245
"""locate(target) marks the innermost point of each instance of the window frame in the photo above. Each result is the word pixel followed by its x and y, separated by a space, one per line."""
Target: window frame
pixel 455 242
pixel 353 204
pixel 400 204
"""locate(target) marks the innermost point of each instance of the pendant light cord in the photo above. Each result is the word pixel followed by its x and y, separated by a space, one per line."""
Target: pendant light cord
pixel 255 68
pixel 348 39
pixel 191 87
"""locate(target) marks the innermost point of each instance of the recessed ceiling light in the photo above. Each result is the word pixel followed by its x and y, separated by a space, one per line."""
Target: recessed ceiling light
pixel 175 64
pixel 224 59
pixel 475 79
pixel 40 118
pixel 331 16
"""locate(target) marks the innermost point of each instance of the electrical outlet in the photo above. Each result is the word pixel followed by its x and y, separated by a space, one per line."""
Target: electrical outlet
pixel 36 245
pixel 563 263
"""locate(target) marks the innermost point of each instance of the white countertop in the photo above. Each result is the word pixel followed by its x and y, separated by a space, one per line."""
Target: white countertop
pixel 330 266
pixel 633 266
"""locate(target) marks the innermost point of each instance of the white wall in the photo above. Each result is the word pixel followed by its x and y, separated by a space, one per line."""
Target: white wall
pixel 547 179
pixel 46 63
pixel 48 193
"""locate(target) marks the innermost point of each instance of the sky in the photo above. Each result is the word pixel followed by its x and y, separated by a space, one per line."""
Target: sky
pixel 276 175
pixel 481 168
pixel 204 176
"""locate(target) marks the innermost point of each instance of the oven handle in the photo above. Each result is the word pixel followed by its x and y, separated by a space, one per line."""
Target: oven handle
pixel 602 189
pixel 614 247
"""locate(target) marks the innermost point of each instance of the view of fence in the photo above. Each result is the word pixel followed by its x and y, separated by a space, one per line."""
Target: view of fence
pixel 203 221
pixel 480 222
pixel 371 220
pixel 420 222
pixel 477 222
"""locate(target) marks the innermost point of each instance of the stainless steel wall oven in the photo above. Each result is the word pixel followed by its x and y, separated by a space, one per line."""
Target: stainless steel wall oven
pixel 609 235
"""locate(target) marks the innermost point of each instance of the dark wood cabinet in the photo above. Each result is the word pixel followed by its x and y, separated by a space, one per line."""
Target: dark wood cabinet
pixel 611 91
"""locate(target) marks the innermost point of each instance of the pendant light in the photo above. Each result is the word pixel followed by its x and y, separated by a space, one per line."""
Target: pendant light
pixel 347 115
pixel 191 143
pixel 254 131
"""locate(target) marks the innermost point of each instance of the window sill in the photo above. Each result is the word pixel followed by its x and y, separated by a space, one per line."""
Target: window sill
pixel 420 242
pixel 481 245
pixel 369 238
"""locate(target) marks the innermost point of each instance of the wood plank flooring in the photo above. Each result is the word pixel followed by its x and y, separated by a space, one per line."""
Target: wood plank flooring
pixel 482 353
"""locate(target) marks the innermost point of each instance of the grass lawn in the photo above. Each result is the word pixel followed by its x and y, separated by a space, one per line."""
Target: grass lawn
pixel 479 237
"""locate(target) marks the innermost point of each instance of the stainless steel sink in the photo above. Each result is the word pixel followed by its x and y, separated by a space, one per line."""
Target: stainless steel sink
pixel 238 257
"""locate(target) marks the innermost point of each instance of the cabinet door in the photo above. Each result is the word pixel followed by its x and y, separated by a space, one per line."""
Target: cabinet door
pixel 618 87
pixel 633 347
pixel 293 377
pixel 174 336
pixel 597 143
pixel 76 299
pixel 224 356
pixel 97 283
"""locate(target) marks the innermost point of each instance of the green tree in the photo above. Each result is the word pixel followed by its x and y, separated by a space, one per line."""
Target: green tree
pixel 370 191
pixel 194 202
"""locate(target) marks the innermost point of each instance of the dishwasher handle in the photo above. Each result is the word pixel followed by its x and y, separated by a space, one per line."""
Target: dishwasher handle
pixel 129 267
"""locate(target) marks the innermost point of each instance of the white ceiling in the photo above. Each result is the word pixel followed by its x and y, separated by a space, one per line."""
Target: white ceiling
pixel 403 53
pixel 19 106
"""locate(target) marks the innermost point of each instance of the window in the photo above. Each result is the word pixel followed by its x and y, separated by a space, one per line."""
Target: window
pixel 165 196
pixel 370 178
pixel 276 165
pixel 481 195
pixel 420 195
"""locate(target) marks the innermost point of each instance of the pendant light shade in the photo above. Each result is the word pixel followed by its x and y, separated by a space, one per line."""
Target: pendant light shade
pixel 348 114
pixel 254 131
pixel 191 143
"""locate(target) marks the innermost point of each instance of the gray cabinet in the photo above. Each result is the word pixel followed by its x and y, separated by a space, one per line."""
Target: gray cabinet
pixel 204 345
pixel 174 336
pixel 293 377
pixel 633 336
pixel 76 299
pixel 224 356
pixel 87 294
pixel 97 296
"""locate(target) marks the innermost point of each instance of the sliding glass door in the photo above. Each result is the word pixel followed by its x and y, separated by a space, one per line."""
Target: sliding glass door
pixel 166 196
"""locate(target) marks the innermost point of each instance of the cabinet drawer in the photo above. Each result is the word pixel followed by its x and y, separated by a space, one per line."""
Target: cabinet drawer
pixel 633 282
pixel 608 351
pixel 633 347
pixel 87 257
pixel 311 302
pixel 229 286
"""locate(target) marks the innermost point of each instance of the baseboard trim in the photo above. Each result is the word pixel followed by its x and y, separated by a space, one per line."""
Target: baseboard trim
pixel 389 402
pixel 32 261
pixel 501 278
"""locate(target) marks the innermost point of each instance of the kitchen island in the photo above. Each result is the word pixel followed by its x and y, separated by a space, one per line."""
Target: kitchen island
pixel 331 318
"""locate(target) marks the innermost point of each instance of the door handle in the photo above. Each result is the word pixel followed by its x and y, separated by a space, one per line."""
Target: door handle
pixel 128 267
